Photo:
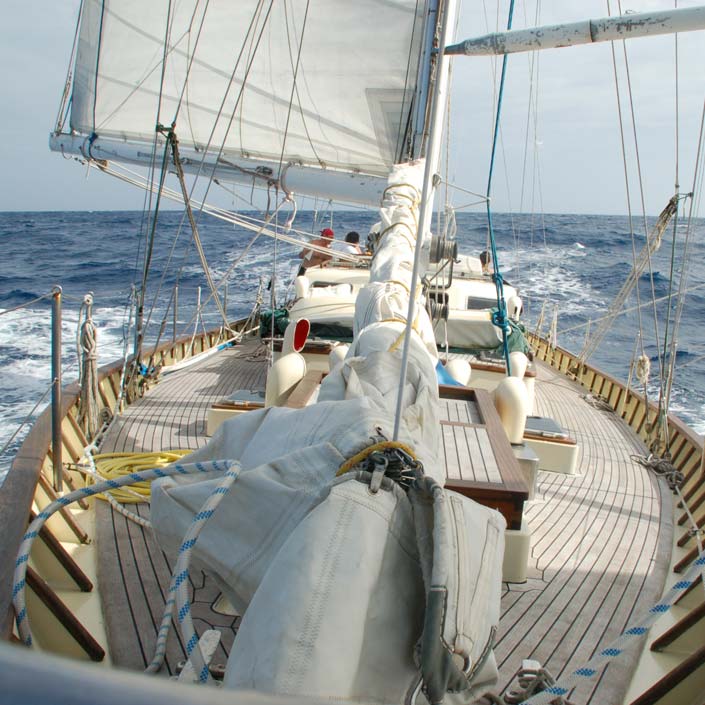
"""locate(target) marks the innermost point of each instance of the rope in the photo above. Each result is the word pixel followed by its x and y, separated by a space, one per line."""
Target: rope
pixel 19 577
pixel 628 637
pixel 363 454
pixel 661 467
pixel 28 303
pixel 532 681
pixel 88 415
pixel 92 471
pixel 114 466
pixel 642 369
pixel 178 587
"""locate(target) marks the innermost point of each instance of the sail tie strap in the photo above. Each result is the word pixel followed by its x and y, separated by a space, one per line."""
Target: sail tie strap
pixel 374 448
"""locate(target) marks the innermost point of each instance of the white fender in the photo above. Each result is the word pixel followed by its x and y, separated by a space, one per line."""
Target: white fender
pixel 337 355
pixel 510 400
pixel 514 307
pixel 284 375
pixel 459 370
pixel 518 362
pixel 530 384
pixel 301 287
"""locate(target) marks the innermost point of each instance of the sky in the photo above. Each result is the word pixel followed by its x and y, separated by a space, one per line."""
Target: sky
pixel 571 161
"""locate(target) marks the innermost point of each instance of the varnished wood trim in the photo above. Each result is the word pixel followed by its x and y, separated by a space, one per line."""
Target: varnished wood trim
pixel 67 619
pixel 80 534
pixel 686 560
pixel 694 505
pixel 696 583
pixel 679 628
pixel 677 675
pixel 687 536
pixel 528 435
pixel 82 581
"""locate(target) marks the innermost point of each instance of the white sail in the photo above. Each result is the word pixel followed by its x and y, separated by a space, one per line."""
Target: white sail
pixel 310 86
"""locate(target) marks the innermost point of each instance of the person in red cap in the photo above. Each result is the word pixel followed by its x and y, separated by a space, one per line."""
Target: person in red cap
pixel 311 258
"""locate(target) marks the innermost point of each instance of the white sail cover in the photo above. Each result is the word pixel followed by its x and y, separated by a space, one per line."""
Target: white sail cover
pixel 225 72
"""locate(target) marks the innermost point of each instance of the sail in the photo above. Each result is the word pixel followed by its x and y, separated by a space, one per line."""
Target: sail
pixel 326 83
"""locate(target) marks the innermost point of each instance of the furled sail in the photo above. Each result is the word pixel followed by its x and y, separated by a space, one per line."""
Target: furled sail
pixel 286 82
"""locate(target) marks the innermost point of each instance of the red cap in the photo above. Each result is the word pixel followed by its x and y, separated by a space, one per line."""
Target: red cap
pixel 327 232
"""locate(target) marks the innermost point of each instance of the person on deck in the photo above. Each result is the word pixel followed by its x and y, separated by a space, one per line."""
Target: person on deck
pixel 485 259
pixel 311 258
pixel 351 246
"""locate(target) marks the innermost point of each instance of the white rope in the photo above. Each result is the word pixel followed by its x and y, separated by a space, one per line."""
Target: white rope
pixel 88 417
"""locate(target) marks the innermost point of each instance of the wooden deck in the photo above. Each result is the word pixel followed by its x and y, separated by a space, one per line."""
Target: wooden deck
pixel 599 544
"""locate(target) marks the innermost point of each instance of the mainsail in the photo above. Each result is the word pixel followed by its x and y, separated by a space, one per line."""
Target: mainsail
pixel 330 85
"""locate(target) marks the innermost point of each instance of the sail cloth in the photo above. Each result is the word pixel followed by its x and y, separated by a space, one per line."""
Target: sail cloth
pixel 225 71
pixel 334 578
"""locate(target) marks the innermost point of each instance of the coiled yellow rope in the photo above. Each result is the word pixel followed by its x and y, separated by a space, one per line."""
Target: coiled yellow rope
pixel 382 445
pixel 112 466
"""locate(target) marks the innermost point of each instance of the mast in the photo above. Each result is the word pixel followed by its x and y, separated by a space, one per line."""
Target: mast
pixel 436 119
pixel 428 58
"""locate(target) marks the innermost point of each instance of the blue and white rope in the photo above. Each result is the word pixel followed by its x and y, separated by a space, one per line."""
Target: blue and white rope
pixel 19 578
pixel 178 587
pixel 593 667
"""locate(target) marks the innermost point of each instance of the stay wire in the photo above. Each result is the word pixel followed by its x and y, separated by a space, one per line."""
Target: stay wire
pixel 643 206
pixel 215 124
pixel 500 319
pixel 697 177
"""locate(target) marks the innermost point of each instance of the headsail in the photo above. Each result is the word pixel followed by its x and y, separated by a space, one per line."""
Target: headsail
pixel 267 81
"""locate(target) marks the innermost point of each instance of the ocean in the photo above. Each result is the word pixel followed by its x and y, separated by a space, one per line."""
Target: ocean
pixel 572 264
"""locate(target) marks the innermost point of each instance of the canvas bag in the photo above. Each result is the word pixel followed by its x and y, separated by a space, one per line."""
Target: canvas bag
pixel 347 612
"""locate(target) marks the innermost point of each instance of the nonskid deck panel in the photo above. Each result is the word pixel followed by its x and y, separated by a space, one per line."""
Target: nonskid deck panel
pixel 599 544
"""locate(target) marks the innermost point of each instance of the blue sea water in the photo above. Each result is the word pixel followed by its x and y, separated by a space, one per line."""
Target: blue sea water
pixel 574 264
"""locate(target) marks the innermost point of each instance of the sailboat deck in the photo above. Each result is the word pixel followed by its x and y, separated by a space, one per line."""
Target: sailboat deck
pixel 599 545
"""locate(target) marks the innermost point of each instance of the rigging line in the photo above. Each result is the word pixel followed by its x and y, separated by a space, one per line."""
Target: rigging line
pixel 296 86
pixel 500 319
pixel 191 53
pixel 148 223
pixel 194 228
pixel 248 68
pixel 697 176
pixel 293 86
pixel 592 321
pixel 250 41
pixel 178 106
pixel 28 303
pixel 201 165
pixel 626 180
pixel 643 201
pixel 64 102
pixel 26 419
pixel 247 248
pixel 228 216
pixel 247 222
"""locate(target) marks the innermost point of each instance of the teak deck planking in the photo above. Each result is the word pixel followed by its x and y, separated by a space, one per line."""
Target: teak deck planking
pixel 596 535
